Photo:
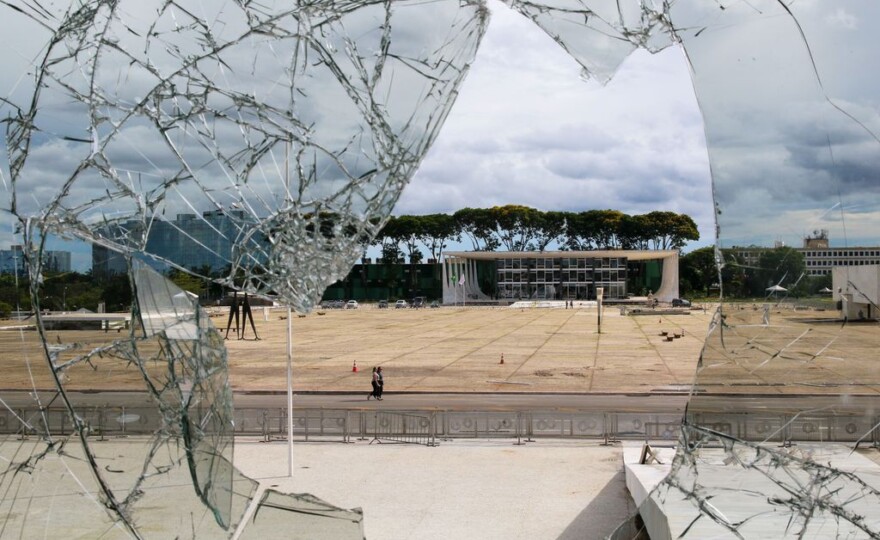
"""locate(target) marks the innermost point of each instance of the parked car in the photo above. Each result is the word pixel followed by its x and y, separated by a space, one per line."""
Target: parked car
pixel 383 304
pixel 417 302
pixel 400 304
pixel 435 304
pixel 680 302
pixel 351 304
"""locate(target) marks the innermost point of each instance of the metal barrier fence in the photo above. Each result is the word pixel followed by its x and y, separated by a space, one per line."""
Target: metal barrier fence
pixel 405 428
pixel 430 427
pixel 785 429
pixel 98 421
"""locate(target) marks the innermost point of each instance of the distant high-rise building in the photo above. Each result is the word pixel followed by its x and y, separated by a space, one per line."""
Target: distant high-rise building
pixel 189 241
pixel 56 261
pixel 12 261
pixel 819 257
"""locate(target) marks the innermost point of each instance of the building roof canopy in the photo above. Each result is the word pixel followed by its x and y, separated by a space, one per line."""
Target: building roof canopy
pixel 633 255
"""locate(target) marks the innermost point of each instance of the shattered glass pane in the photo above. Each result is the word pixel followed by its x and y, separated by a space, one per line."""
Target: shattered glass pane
pixel 792 131
pixel 260 145
pixel 260 142
pixel 313 518
pixel 68 476
pixel 792 126
pixel 65 467
pixel 254 145
pixel 599 34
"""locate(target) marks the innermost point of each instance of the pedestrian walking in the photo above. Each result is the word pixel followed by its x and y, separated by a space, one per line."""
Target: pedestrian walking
pixel 375 383
pixel 381 383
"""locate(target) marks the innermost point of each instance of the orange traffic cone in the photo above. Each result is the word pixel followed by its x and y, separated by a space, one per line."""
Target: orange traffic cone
pixel 354 367
pixel 502 359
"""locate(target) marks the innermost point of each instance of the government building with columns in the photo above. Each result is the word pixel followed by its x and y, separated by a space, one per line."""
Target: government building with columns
pixel 557 275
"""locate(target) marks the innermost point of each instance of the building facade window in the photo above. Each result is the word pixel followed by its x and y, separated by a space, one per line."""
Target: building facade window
pixel 569 278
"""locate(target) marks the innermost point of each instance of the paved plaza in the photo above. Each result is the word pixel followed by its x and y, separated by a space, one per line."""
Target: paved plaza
pixel 455 349
pixel 460 349
pixel 460 489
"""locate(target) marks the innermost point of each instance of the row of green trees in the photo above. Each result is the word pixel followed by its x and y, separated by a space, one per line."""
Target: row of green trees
pixel 510 227
pixel 698 276
pixel 74 290
pixel 784 266
pixel 67 290
pixel 521 228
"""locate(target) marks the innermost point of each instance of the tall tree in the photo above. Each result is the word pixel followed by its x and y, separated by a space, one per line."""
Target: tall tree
pixel 670 230
pixel 608 226
pixel 698 269
pixel 634 232
pixel 437 230
pixel 781 266
pixel 478 226
pixel 551 228
pixel 388 239
pixel 580 232
pixel 516 226
pixel 409 230
pixel 735 275
pixel 685 229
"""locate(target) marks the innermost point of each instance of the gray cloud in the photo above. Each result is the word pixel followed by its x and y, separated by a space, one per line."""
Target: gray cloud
pixel 527 130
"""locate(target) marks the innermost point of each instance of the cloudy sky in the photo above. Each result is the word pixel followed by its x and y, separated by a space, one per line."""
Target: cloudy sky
pixel 787 103
pixel 528 129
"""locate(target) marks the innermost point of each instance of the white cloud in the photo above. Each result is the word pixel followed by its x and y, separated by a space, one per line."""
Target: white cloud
pixel 527 129
pixel 843 19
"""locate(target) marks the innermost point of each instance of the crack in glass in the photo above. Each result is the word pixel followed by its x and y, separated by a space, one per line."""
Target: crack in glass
pixel 261 145
pixel 257 145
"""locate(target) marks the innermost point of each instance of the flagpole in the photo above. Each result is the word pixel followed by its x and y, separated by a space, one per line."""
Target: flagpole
pixel 289 341
pixel 289 393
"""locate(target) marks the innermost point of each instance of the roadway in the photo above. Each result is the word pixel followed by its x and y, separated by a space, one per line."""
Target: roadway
pixel 490 402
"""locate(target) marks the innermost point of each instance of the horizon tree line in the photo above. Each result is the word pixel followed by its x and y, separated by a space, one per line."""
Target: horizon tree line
pixel 699 273
pixel 521 228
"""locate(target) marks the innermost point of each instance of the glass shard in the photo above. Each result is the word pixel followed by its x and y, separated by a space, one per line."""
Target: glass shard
pixel 302 516
pixel 259 147
pixel 253 147
pixel 792 132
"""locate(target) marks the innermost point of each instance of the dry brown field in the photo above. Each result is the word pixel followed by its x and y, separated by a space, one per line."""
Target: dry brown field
pixel 459 349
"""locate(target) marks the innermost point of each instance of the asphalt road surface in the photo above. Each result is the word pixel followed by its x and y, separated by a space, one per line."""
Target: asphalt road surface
pixel 641 403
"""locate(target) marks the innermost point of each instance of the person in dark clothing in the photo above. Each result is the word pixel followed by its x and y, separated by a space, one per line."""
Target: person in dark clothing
pixel 381 383
pixel 375 383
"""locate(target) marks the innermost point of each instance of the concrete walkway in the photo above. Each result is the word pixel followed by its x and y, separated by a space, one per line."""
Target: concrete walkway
pixel 460 489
